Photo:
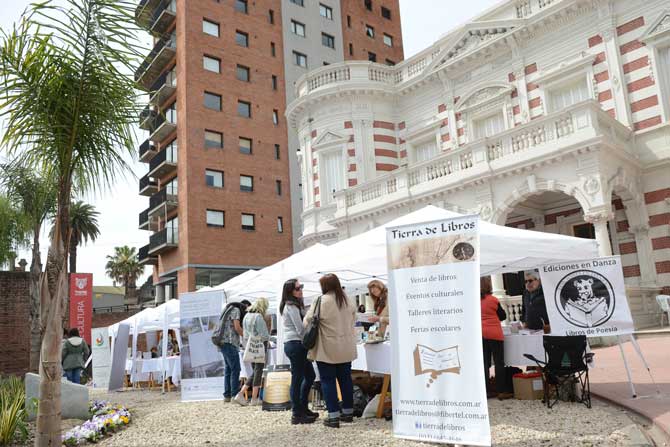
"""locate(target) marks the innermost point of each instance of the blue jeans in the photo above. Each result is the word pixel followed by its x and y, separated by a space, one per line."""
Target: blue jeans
pixel 341 372
pixel 302 375
pixel 73 375
pixel 231 370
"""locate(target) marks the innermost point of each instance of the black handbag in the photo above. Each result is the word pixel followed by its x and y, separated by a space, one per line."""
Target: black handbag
pixel 309 339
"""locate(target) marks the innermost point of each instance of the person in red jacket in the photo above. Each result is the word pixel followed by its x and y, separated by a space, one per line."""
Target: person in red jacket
pixel 492 335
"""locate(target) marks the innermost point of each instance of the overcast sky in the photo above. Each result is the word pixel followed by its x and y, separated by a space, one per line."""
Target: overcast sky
pixel 423 22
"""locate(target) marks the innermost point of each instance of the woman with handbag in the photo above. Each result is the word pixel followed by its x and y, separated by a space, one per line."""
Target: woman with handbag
pixel 292 311
pixel 256 336
pixel 334 348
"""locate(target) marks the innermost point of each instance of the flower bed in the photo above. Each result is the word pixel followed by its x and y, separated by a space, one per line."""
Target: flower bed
pixel 105 419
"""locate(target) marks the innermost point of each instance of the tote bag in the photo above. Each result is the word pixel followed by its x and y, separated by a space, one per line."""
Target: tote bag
pixel 254 351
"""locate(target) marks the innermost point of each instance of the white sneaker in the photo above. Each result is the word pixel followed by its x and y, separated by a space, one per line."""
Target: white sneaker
pixel 256 402
pixel 239 399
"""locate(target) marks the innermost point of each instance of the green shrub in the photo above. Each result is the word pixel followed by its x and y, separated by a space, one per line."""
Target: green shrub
pixel 13 417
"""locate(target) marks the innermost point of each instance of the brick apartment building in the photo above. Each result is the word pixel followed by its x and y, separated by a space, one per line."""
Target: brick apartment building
pixel 223 180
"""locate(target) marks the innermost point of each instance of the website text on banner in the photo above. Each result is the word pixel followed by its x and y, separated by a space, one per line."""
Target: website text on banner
pixel 587 298
pixel 436 327
pixel 201 361
pixel 102 357
pixel 81 304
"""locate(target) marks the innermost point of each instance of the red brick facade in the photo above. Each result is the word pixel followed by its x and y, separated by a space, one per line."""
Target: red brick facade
pixel 14 323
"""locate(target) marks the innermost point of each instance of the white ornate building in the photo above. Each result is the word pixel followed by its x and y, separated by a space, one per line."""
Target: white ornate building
pixel 552 115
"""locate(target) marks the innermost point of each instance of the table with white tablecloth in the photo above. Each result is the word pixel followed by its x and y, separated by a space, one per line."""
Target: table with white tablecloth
pixel 146 367
pixel 374 358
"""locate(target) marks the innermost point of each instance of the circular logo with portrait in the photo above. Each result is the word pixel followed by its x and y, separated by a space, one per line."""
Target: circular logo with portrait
pixel 463 251
pixel 585 298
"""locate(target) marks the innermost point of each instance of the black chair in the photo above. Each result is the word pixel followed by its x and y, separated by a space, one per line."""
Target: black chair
pixel 566 359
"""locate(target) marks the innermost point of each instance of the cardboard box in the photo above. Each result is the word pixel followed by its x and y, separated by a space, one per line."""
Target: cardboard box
pixel 528 386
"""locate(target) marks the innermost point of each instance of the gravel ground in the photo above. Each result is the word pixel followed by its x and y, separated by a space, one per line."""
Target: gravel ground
pixel 162 420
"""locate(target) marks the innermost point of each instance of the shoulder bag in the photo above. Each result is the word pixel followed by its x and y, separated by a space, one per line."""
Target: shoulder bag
pixel 309 339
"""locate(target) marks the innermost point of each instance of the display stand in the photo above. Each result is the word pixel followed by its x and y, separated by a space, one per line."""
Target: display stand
pixel 636 346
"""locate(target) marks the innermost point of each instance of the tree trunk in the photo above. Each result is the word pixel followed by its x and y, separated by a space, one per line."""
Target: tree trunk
pixel 73 257
pixel 35 323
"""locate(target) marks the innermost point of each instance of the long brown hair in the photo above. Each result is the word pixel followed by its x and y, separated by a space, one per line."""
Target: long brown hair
pixel 331 283
pixel 288 298
pixel 380 301
pixel 485 287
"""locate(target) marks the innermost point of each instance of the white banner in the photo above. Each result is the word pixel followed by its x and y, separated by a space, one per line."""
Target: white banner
pixel 587 298
pixel 201 361
pixel 101 357
pixel 436 327
pixel 118 368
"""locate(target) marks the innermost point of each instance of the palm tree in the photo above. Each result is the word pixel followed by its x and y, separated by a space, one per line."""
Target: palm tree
pixel 13 228
pixel 68 107
pixel 124 268
pixel 36 198
pixel 83 226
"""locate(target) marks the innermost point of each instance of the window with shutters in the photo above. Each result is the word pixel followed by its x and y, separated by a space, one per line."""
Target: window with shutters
pixel 215 218
pixel 248 222
pixel 211 28
pixel 245 145
pixel 246 183
pixel 213 139
pixel 211 63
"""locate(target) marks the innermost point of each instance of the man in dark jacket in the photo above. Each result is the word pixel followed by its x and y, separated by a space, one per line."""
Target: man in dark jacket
pixel 533 308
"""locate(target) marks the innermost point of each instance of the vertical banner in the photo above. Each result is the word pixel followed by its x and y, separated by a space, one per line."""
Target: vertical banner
pixel 436 328
pixel 587 298
pixel 102 358
pixel 201 360
pixel 119 356
pixel 81 303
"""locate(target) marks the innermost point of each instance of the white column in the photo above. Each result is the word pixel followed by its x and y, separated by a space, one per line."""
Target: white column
pixel 599 221
pixel 498 286
pixel 614 64
pixel 160 294
pixel 644 255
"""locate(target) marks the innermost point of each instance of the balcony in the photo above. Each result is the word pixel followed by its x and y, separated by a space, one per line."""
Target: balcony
pixel 163 88
pixel 147 117
pixel 350 73
pixel 162 202
pixel 163 163
pixel 148 186
pixel 163 125
pixel 546 138
pixel 144 258
pixel 147 151
pixel 156 15
pixel 164 240
pixel 146 223
pixel 156 61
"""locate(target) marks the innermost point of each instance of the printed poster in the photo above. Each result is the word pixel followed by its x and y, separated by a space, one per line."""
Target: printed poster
pixel 102 358
pixel 587 297
pixel 436 327
pixel 201 360
pixel 81 304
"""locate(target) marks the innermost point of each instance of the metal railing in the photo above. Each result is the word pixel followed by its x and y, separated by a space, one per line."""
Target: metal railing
pixel 161 197
pixel 166 236
pixel 169 41
pixel 147 181
pixel 168 154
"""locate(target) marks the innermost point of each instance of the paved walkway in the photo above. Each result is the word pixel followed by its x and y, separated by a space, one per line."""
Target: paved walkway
pixel 609 380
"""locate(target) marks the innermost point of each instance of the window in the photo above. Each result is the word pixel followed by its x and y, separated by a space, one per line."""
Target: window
pixel 213 139
pixel 351 49
pixel 275 117
pixel 348 21
pixel 242 38
pixel 246 183
pixel 271 17
pixel 388 40
pixel 326 11
pixel 300 59
pixel 386 13
pixel 172 152
pixel 244 109
pixel 211 28
pixel 172 231
pixel 568 95
pixel 242 73
pixel 210 63
pixel 372 57
pixel 273 50
pixel 390 62
pixel 241 6
pixel 298 28
pixel 277 151
pixel 274 82
pixel 298 2
pixel 368 5
pixel 280 225
pixel 215 218
pixel 245 145
pixel 214 178
pixel 491 125
pixel 248 222
pixel 327 40
pixel 278 187
pixel 369 31
pixel 172 187
pixel 333 174
pixel 213 101
pixel 425 151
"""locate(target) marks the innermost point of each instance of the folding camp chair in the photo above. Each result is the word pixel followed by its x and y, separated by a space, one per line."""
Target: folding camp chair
pixel 566 359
